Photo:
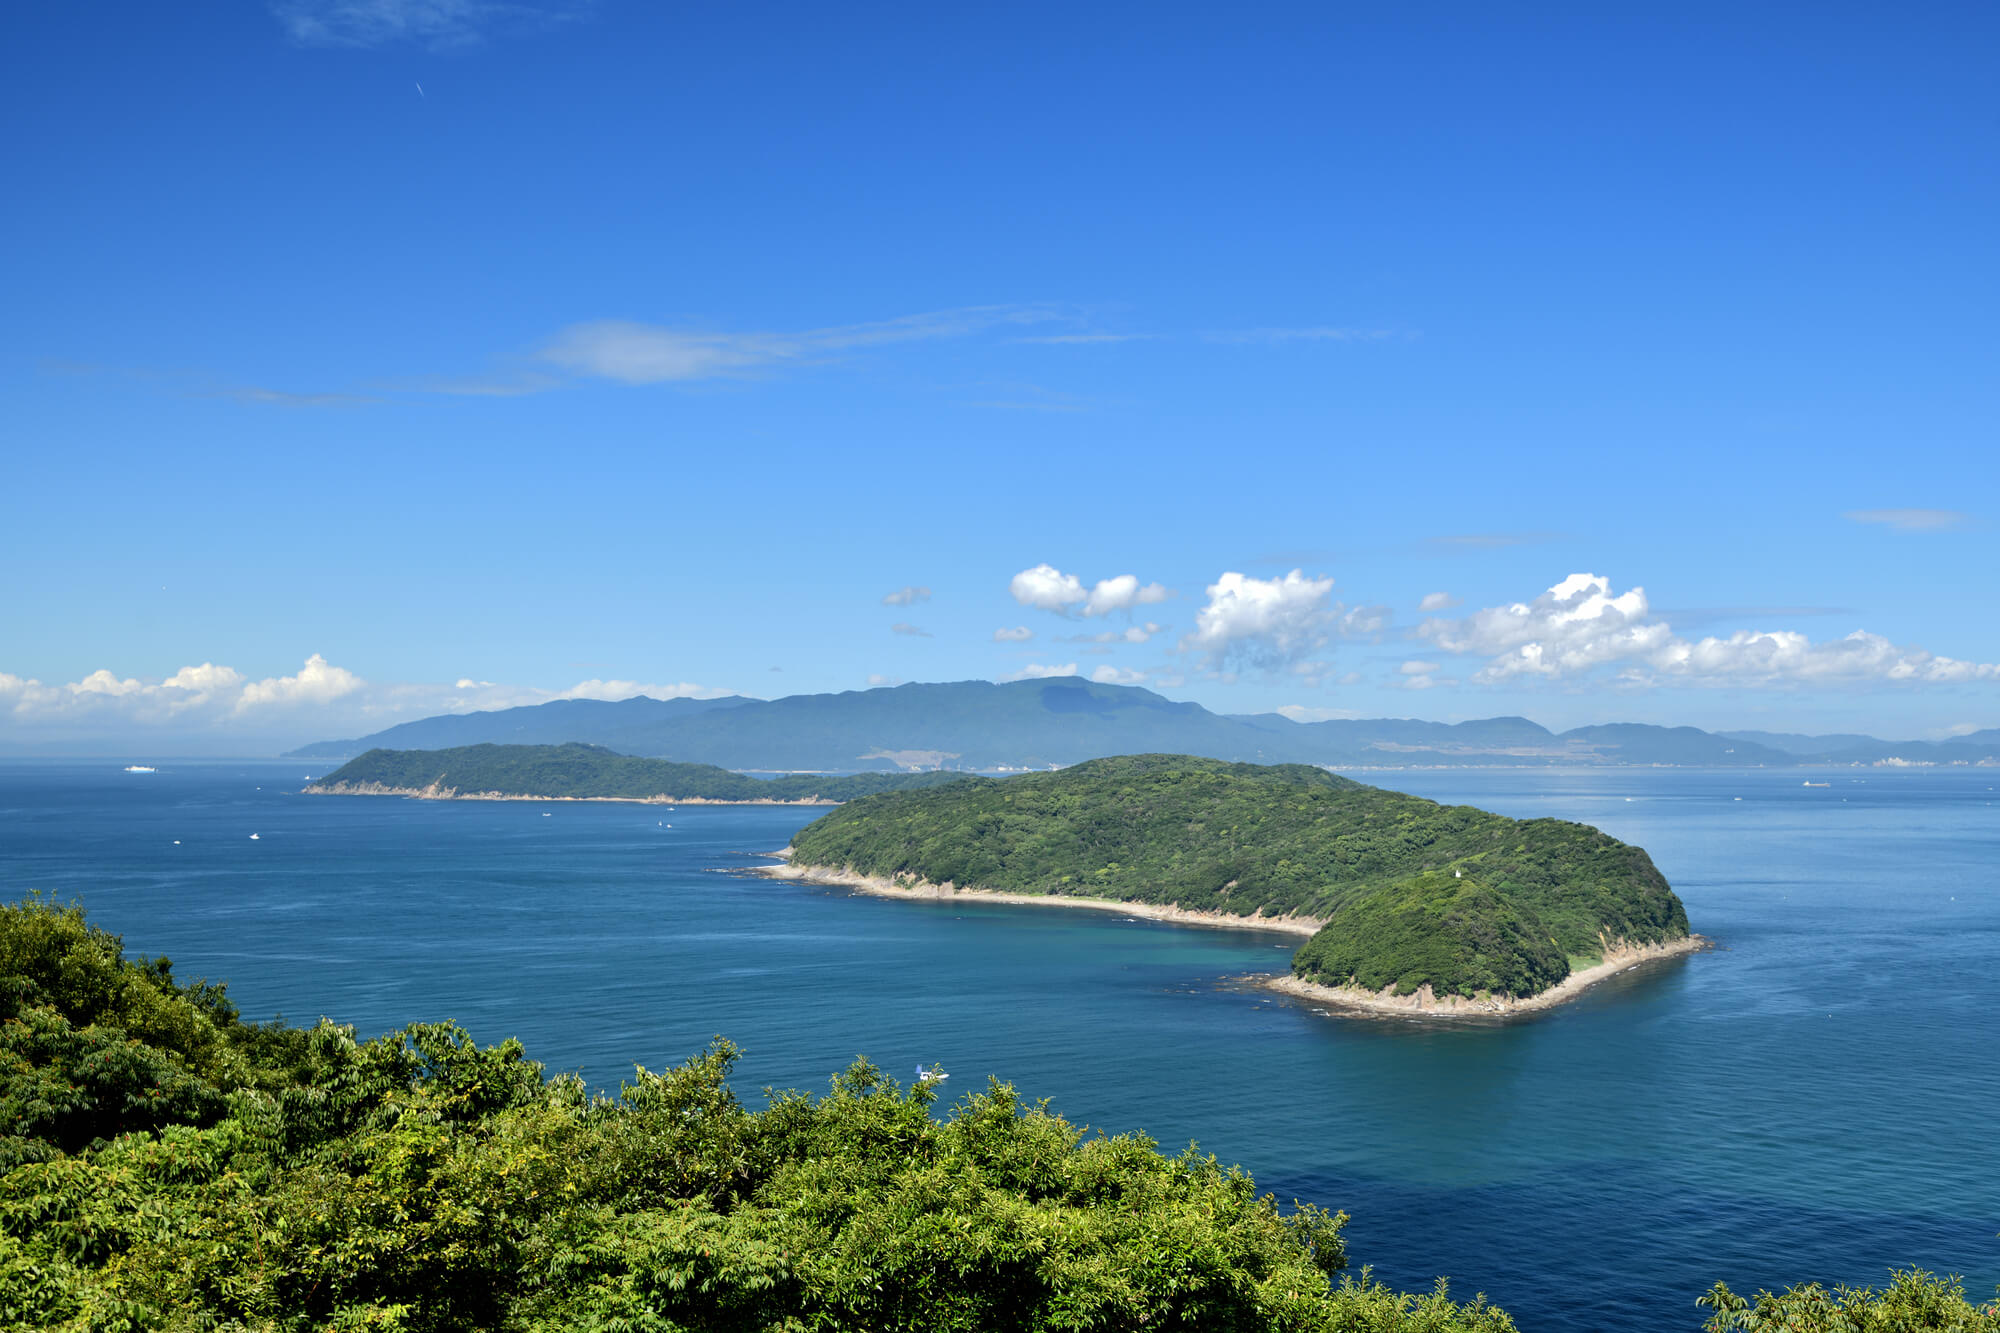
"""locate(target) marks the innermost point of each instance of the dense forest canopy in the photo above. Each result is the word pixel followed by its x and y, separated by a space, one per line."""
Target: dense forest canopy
pixel 165 1165
pixel 1413 893
pixel 584 771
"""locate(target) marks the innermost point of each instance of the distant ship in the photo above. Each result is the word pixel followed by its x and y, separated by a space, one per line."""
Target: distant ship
pixel 1819 784
pixel 139 768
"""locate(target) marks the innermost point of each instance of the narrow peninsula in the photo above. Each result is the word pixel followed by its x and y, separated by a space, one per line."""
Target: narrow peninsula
pixel 1411 906
pixel 591 773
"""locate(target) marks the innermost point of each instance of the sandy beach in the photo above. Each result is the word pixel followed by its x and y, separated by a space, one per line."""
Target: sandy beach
pixel 917 888
pixel 1618 957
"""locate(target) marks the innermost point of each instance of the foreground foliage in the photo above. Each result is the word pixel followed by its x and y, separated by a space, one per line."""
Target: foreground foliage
pixel 168 1166
pixel 1913 1302
pixel 1414 893
pixel 558 771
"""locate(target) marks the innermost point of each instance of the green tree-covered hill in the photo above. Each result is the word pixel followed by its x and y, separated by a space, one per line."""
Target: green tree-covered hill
pixel 592 771
pixel 167 1166
pixel 1413 893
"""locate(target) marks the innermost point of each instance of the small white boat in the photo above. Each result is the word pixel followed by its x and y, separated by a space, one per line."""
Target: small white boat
pixel 931 1075
pixel 253 837
pixel 140 768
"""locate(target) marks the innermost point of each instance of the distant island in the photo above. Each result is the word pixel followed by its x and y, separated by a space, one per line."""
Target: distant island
pixel 978 726
pixel 590 773
pixel 1409 905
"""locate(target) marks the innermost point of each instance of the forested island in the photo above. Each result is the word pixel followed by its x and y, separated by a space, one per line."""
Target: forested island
pixel 1408 902
pixel 589 773
pixel 166 1165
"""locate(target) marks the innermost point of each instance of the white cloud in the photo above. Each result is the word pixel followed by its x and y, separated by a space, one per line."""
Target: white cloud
pixel 613 690
pixel 1114 675
pixel 1018 634
pixel 1122 594
pixel 1363 621
pixel 1438 601
pixel 1316 333
pixel 434 23
pixel 211 704
pixel 633 353
pixel 1417 668
pixel 1266 622
pixel 1130 634
pixel 1910 520
pixel 1576 625
pixel 914 631
pixel 1304 713
pixel 1049 589
pixel 1036 671
pixel 906 596
pixel 317 682
pixel 876 682
pixel 1579 626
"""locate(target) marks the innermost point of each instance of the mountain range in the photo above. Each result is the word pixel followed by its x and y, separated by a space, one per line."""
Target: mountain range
pixel 978 725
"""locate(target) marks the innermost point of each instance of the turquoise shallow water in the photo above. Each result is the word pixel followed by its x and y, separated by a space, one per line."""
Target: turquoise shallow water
pixel 1814 1099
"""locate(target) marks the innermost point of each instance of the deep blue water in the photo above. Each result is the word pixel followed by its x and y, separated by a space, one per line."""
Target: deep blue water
pixel 1819 1098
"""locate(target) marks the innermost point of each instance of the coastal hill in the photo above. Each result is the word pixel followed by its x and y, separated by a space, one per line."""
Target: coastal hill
pixel 978 725
pixel 1412 894
pixel 588 772
pixel 176 1166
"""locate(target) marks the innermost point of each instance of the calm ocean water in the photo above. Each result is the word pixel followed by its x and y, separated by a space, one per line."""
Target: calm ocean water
pixel 1819 1098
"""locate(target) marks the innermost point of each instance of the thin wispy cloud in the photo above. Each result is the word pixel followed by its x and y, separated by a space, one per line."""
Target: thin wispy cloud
pixel 1316 333
pixel 914 631
pixel 628 352
pixel 429 23
pixel 1086 339
pixel 1910 520
pixel 255 395
pixel 907 595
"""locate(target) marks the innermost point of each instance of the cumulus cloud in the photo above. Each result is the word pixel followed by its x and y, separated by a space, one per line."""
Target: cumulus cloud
pixel 317 682
pixel 1910 520
pixel 1049 589
pixel 1036 671
pixel 1306 713
pixel 210 704
pixel 1114 675
pixel 614 690
pixel 906 596
pixel 1438 601
pixel 1122 594
pixel 1018 634
pixel 1580 626
pixel 1130 634
pixel 1264 622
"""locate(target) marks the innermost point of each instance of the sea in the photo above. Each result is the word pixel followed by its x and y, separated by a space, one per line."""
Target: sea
pixel 1815 1099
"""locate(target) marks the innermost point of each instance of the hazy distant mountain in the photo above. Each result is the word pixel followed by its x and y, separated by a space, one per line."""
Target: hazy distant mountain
pixel 553 723
pixel 1793 743
pixel 1035 723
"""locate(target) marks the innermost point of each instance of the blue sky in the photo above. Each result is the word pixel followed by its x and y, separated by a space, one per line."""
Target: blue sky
pixel 577 348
